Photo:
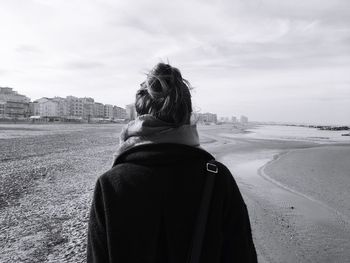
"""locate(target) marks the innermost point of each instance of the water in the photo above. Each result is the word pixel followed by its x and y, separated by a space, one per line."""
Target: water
pixel 294 133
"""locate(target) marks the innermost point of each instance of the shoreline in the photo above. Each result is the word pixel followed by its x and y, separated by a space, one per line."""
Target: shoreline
pixel 319 174
pixel 290 217
pixel 261 171
pixel 288 225
pixel 297 215
pixel 276 158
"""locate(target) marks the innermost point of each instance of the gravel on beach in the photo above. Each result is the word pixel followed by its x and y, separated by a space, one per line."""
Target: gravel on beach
pixel 47 178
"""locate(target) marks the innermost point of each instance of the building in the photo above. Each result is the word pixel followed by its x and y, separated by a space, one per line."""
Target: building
pixel 205 118
pixel 98 110
pixel 12 104
pixel 130 111
pixel 119 113
pixel 244 119
pixel 75 109
pixel 108 111
pixel 46 107
pixel 62 106
pixel 88 108
pixel 208 118
pixel 34 108
pixel 2 108
pixel 75 106
pixel 233 119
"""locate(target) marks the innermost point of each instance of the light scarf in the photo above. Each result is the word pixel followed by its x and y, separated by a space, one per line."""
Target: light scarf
pixel 146 129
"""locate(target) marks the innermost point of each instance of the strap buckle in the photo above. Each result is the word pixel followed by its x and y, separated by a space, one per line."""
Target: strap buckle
pixel 212 168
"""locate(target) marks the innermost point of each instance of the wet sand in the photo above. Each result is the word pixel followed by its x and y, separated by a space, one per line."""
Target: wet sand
pixel 322 173
pixel 297 196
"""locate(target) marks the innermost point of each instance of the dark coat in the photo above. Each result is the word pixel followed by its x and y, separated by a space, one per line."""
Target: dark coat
pixel 145 207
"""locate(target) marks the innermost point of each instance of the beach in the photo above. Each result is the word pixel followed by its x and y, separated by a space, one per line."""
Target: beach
pixel 296 190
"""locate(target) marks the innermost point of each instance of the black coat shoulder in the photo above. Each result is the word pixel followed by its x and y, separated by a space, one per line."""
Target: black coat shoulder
pixel 144 209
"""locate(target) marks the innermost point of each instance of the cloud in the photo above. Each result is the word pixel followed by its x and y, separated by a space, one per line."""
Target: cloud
pixel 28 49
pixel 247 51
pixel 83 65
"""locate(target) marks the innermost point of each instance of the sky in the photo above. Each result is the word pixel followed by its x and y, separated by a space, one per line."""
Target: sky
pixel 270 60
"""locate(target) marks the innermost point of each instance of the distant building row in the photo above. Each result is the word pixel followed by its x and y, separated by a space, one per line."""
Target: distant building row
pixel 243 119
pixel 212 118
pixel 14 105
pixel 205 117
pixel 75 108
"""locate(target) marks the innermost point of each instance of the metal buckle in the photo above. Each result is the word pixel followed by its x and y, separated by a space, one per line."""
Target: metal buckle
pixel 212 168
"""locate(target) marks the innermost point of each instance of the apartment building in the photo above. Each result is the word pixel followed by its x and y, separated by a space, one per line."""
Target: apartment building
pixel 46 107
pixel 75 106
pixel 62 106
pixel 88 108
pixel 98 110
pixel 108 111
pixel 119 113
pixel 206 117
pixel 13 104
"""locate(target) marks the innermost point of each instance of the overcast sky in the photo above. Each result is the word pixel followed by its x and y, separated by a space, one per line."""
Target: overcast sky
pixel 270 60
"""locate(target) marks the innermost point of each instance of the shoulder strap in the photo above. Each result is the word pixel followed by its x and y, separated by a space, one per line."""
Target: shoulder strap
pixel 202 216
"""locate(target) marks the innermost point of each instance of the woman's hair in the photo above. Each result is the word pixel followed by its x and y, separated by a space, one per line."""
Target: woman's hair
pixel 165 95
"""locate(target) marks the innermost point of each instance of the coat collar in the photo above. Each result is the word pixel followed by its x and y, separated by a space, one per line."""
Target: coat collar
pixel 146 129
pixel 162 154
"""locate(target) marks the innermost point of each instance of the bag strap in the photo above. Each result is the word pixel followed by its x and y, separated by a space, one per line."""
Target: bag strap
pixel 202 216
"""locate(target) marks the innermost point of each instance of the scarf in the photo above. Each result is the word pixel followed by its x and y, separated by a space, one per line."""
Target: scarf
pixel 146 129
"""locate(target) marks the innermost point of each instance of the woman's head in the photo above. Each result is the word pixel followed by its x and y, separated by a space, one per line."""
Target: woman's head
pixel 165 95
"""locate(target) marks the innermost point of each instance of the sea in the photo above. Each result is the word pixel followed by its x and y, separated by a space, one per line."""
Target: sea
pixel 294 133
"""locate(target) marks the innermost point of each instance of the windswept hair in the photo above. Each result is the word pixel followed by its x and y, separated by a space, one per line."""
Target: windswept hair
pixel 165 95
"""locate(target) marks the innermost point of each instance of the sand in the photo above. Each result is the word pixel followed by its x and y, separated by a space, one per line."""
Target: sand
pixel 322 173
pixel 47 177
pixel 296 192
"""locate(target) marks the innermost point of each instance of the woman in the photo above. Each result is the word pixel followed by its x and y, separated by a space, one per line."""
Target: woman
pixel 145 208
